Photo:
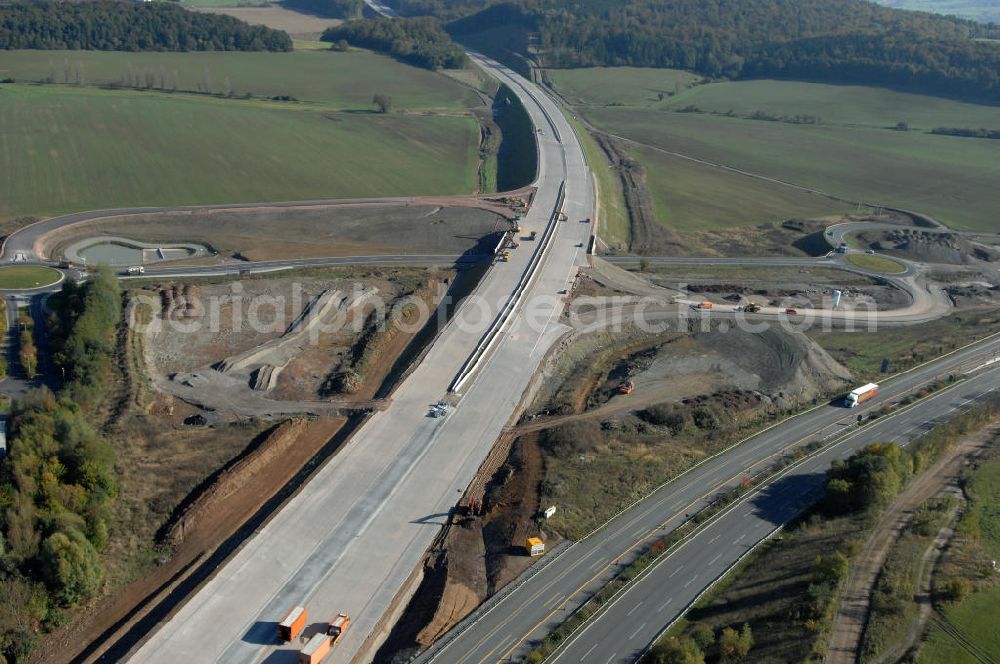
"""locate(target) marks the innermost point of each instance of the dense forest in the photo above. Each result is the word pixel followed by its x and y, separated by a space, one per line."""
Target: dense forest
pixel 58 481
pixel 851 41
pixel 418 41
pixel 112 25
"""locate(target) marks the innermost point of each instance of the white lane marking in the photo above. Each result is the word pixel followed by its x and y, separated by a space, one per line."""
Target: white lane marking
pixel 679 568
pixel 664 605
pixel 712 541
pixel 639 629
pixel 691 580
pixel 588 652
pixel 739 539
pixel 555 598
pixel 714 560
pixel 612 658
pixel 632 610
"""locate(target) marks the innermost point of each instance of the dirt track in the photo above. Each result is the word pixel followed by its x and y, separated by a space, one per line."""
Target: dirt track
pixel 852 612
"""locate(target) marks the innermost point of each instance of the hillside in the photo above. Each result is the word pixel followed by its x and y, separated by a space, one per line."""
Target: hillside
pixel 845 41
pixel 111 25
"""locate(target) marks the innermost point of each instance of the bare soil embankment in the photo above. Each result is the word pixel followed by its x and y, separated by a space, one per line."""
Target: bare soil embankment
pixel 190 493
pixel 588 449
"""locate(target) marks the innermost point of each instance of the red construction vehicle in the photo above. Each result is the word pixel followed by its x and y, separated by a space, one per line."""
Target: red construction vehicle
pixel 626 387
pixel 338 626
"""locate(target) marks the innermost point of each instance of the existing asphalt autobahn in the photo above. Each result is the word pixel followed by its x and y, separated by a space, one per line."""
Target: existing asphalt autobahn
pixel 507 625
pixel 635 619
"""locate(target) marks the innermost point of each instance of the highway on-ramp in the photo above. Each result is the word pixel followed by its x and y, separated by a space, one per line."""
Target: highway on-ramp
pixel 506 626
pixel 351 539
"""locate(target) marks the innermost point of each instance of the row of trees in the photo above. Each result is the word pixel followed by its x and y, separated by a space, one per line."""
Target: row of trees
pixel 58 481
pixel 418 41
pixel 831 40
pixel 967 133
pixel 699 643
pixel 113 25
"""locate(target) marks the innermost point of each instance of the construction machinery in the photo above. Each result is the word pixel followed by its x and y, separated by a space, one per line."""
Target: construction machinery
pixel 337 627
pixel 751 308
pixel 626 387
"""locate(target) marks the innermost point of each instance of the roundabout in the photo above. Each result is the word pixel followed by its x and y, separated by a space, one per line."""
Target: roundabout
pixel 28 277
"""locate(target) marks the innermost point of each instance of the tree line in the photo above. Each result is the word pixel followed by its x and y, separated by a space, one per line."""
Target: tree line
pixel 112 25
pixel 58 482
pixel 418 41
pixel 848 41
pixel 967 133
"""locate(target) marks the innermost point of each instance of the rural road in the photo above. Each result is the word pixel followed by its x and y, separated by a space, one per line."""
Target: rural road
pixel 633 621
pixel 20 245
pixel 927 301
pixel 506 625
pixel 350 540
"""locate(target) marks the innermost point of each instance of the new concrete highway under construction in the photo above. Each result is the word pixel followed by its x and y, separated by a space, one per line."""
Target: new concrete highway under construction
pixel 351 539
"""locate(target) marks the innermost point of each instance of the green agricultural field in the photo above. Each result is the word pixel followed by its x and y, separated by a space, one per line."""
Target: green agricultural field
pixel 974 617
pixel 78 149
pixel 338 81
pixel 984 515
pixel 836 104
pixel 953 179
pixel 620 86
pixel 689 196
pixel 853 154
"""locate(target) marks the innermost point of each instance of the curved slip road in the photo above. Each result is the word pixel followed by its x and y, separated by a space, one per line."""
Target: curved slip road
pixel 927 302
pixel 349 540
pixel 506 625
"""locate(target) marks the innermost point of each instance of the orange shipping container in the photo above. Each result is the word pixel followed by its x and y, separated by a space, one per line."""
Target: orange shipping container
pixel 292 625
pixel 315 650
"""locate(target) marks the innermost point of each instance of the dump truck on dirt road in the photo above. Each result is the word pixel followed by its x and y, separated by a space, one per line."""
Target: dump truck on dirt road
pixel 291 626
pixel 860 395
pixel 626 387
pixel 706 305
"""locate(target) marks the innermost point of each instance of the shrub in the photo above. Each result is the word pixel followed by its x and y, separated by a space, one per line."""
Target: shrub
pixel 665 415
pixel 574 438
pixel 70 566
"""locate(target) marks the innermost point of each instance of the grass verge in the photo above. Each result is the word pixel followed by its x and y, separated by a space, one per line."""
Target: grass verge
pixel 613 219
pixel 23 277
pixel 865 353
pixel 879 264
